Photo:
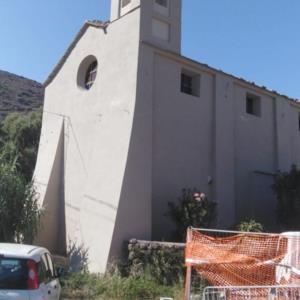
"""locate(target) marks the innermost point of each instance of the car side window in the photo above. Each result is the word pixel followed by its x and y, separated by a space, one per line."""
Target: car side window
pixel 50 264
pixel 42 272
pixel 48 270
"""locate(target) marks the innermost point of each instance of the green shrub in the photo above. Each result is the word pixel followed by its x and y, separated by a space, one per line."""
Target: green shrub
pixel 19 211
pixel 287 189
pixel 78 257
pixel 250 226
pixel 23 131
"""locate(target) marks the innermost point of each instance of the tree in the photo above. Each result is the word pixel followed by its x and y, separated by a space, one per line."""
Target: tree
pixel 23 130
pixel 287 189
pixel 193 209
pixel 19 211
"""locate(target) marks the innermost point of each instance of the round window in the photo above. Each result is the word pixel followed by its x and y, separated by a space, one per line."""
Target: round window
pixel 87 72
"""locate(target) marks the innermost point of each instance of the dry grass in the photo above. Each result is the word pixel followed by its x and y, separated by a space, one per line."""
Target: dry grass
pixel 87 286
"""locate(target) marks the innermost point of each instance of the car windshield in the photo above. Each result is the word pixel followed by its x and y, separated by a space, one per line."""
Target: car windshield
pixel 13 274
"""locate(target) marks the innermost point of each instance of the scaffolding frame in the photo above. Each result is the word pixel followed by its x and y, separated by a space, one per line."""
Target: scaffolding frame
pixel 270 292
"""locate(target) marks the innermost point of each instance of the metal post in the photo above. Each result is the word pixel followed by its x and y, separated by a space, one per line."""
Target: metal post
pixel 188 275
pixel 188 283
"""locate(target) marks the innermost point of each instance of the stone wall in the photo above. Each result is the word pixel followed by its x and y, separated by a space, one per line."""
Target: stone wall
pixel 163 260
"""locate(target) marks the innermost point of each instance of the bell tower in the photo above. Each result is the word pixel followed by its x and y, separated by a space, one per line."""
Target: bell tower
pixel 120 8
pixel 160 20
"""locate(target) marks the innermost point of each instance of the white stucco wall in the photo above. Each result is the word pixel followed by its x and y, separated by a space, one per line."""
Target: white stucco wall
pixel 48 179
pixel 254 151
pixel 212 136
pixel 182 139
pixel 98 128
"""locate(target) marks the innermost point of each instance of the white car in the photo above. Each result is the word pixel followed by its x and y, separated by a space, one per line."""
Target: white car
pixel 27 273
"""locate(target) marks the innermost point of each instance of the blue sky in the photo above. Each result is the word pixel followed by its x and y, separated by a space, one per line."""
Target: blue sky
pixel 258 40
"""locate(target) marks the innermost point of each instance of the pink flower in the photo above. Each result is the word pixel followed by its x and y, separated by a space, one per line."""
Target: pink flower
pixel 202 196
pixel 199 196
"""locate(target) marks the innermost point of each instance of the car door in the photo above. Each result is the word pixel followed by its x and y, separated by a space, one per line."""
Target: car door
pixel 44 279
pixel 50 286
pixel 54 282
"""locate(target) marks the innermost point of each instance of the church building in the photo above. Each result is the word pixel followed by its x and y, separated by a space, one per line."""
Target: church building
pixel 128 122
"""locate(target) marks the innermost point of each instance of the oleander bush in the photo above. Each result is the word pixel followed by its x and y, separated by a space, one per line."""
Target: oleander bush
pixel 194 209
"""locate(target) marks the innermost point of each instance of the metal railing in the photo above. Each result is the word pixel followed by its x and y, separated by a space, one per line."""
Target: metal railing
pixel 279 292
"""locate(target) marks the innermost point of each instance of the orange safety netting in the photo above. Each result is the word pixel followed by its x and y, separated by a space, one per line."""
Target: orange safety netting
pixel 245 259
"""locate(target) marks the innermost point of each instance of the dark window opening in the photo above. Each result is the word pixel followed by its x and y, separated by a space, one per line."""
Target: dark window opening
pixel 125 2
pixel 190 83
pixel 253 105
pixel 91 74
pixel 250 106
pixel 186 84
pixel 162 2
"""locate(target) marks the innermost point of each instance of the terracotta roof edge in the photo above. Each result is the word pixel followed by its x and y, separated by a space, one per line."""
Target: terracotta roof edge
pixel 180 56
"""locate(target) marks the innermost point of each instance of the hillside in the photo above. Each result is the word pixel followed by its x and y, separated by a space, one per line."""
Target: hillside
pixel 19 94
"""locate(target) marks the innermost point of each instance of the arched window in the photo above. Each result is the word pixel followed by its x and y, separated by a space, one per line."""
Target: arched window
pixel 90 75
pixel 87 72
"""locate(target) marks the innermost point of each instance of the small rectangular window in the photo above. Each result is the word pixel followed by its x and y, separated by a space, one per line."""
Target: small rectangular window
pixel 252 105
pixel 163 3
pixel 125 2
pixel 190 83
pixel 186 84
pixel 162 7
